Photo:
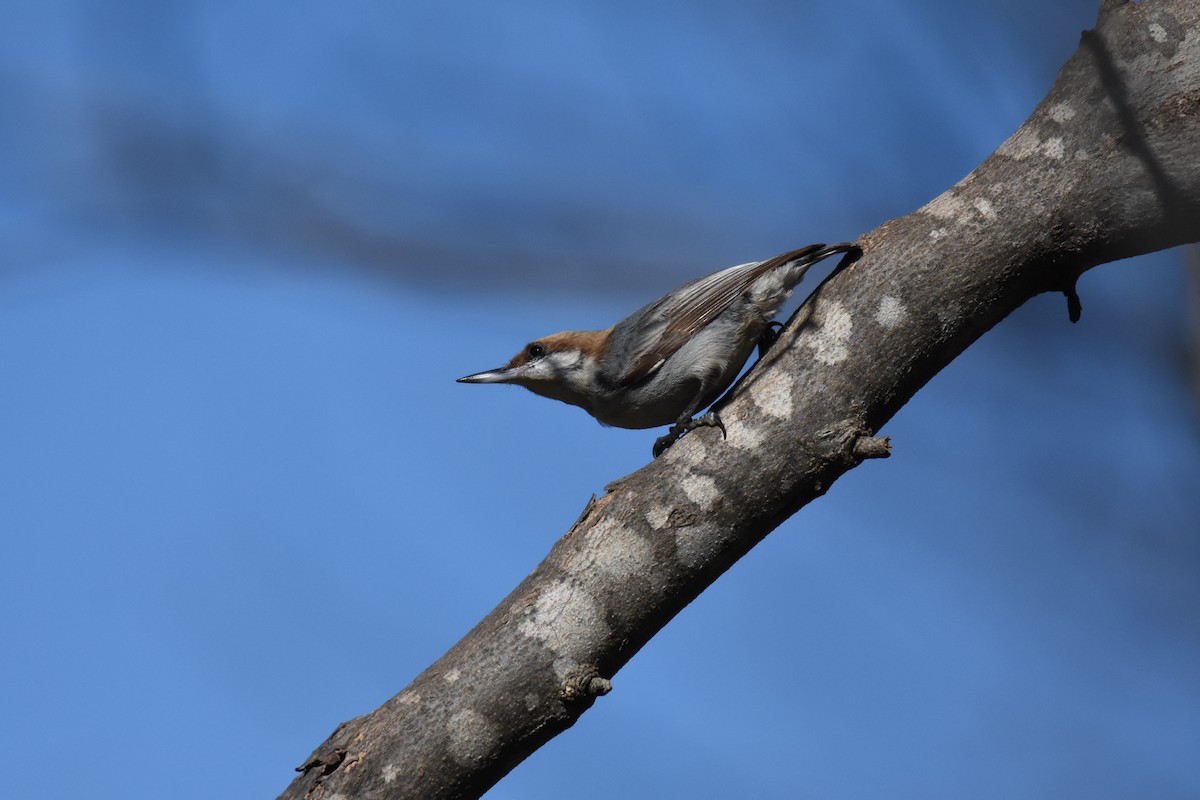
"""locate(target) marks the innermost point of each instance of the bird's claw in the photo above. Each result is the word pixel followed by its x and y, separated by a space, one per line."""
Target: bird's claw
pixel 769 336
pixel 709 420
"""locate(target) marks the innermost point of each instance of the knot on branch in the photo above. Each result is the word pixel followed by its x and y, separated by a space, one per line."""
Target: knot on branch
pixel 871 447
pixel 584 685
pixel 325 761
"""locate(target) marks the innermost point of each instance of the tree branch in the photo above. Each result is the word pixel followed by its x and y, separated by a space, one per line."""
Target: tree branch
pixel 1107 166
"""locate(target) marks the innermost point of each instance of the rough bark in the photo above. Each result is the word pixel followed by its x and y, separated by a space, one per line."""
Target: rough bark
pixel 1107 166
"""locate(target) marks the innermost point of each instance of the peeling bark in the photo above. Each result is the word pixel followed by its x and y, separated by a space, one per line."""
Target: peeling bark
pixel 1107 166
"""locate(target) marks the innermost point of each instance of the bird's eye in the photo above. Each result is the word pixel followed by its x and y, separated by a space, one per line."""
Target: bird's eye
pixel 535 350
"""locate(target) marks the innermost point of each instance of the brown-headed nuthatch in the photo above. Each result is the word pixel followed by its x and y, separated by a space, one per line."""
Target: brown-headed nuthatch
pixel 665 362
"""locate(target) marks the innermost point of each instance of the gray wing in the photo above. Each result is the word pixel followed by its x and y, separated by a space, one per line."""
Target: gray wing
pixel 667 324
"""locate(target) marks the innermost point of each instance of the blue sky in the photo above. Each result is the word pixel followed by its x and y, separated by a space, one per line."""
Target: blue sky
pixel 248 249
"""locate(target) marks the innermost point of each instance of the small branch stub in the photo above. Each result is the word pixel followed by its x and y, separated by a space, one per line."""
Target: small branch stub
pixel 326 762
pixel 872 447
pixel 585 685
pixel 1074 305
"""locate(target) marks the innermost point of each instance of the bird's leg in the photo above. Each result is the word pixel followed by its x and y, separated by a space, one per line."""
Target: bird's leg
pixel 685 424
pixel 663 442
pixel 769 336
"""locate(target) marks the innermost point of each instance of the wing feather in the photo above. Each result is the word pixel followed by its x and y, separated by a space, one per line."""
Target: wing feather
pixel 669 323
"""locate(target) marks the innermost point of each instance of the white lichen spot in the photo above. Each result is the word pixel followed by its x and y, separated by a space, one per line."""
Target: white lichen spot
pixel 452 676
pixel 984 207
pixel 744 434
pixel 773 395
pixel 946 205
pixel 701 490
pixel 1021 144
pixel 390 771
pixel 833 333
pixel 531 701
pixel 891 312
pixel 617 551
pixel 473 737
pixel 567 620
pixel 1054 147
pixel 1158 33
pixel 410 698
pixel 938 233
pixel 1062 112
pixel 658 517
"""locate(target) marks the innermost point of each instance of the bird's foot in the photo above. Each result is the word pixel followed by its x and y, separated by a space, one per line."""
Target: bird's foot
pixel 709 420
pixel 769 337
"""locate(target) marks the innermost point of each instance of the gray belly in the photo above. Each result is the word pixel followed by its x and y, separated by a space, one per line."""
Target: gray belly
pixel 690 380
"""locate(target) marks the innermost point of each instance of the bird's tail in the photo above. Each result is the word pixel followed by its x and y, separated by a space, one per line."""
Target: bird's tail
pixel 819 252
pixel 794 263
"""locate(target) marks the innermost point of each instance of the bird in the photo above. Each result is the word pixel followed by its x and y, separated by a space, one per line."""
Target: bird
pixel 671 358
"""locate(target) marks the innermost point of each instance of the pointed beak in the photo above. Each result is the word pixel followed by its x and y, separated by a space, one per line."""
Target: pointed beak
pixel 499 375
